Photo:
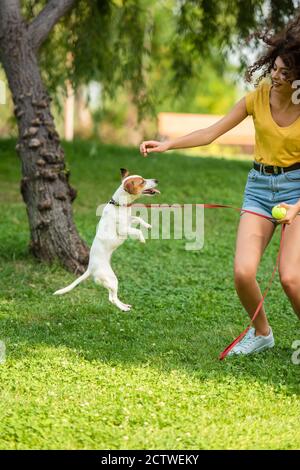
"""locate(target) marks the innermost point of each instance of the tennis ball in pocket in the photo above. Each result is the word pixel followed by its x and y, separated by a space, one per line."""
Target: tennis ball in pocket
pixel 278 212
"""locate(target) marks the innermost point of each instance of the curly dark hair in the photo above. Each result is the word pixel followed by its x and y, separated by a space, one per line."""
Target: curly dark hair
pixel 285 44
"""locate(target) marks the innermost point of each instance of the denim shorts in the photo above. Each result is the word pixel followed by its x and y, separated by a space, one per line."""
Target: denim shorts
pixel 264 191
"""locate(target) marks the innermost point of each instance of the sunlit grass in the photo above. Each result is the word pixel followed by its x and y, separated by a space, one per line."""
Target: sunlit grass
pixel 81 374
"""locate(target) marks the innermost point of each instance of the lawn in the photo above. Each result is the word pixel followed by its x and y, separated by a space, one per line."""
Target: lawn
pixel 80 374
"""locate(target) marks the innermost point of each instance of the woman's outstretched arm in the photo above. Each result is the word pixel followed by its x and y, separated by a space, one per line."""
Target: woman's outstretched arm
pixel 202 136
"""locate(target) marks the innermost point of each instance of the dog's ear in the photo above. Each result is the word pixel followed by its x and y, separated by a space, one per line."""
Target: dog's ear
pixel 124 173
pixel 129 186
pixel 134 185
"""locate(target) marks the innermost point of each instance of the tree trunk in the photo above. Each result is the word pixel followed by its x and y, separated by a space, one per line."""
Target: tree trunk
pixel 44 186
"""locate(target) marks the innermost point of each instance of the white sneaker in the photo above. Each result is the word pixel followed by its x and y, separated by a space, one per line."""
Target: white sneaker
pixel 252 344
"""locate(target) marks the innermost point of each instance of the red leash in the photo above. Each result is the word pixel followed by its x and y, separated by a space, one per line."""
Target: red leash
pixel 237 340
pixel 224 353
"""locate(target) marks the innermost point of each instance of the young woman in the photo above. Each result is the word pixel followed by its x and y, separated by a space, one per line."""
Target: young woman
pixel 274 178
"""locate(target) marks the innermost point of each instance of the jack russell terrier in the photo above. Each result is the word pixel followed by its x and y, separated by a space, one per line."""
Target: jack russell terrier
pixel 112 230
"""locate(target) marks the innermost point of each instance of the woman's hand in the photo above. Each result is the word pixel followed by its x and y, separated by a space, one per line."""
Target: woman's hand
pixel 291 212
pixel 149 146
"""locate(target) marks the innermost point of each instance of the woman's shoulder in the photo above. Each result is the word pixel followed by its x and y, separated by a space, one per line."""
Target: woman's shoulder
pixel 253 96
pixel 263 85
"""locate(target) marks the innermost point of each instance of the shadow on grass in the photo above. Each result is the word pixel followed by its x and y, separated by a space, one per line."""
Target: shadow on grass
pixel 182 338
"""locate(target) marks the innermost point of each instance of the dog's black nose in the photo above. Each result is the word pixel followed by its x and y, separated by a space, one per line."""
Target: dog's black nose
pixel 156 181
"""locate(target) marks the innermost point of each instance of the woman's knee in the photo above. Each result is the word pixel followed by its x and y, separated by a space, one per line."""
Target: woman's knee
pixel 244 274
pixel 289 279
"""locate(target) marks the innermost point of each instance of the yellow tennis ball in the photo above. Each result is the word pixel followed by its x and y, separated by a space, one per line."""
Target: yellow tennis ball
pixel 278 212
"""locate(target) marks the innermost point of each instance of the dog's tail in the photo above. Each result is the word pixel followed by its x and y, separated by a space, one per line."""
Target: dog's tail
pixel 74 284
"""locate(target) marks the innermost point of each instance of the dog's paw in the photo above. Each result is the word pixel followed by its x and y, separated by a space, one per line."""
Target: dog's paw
pixel 148 226
pixel 142 239
pixel 125 307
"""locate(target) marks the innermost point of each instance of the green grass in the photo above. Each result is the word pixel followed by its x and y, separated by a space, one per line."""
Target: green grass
pixel 81 374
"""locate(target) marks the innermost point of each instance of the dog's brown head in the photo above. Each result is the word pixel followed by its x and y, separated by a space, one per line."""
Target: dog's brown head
pixel 137 185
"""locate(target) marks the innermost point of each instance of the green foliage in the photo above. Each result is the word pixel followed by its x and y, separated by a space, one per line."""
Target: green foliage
pixel 206 93
pixel 121 43
pixel 80 374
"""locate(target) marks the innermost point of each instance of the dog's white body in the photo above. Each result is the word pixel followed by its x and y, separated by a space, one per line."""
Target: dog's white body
pixel 113 229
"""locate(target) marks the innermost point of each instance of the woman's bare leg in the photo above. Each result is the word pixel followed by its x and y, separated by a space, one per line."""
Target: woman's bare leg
pixel 289 265
pixel 254 234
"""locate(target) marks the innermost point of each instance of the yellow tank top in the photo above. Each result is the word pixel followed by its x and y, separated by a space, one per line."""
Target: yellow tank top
pixel 274 145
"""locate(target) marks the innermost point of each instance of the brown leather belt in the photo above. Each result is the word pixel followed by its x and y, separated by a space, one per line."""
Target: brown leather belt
pixel 275 169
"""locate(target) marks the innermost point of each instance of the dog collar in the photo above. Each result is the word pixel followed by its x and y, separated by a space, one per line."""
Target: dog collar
pixel 115 203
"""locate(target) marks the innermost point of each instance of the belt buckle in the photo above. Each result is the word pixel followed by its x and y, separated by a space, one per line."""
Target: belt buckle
pixel 264 170
pixel 275 170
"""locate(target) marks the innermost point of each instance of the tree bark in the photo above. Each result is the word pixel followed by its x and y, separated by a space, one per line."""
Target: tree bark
pixel 44 185
pixel 47 19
